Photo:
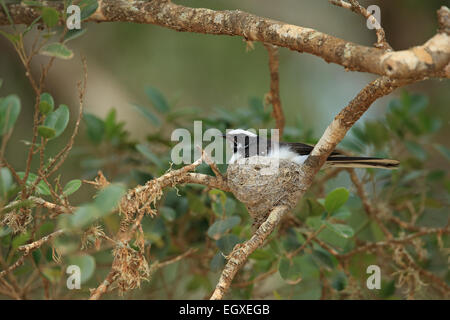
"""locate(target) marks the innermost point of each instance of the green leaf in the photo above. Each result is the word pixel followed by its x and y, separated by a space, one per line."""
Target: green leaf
pixel 217 262
pixel 219 227
pixel 219 201
pixel 291 240
pixel 339 281
pixel 342 213
pixel 290 270
pixel 46 132
pixel 227 243
pixel 147 114
pixel 84 215
pixel 32 24
pixel 86 263
pixel 418 103
pixel 57 50
pixel 13 38
pixel 73 34
pixel 58 120
pixel 110 123
pixel 314 222
pixel 335 199
pixel 37 255
pixel 387 289
pixel 95 127
pixel 20 240
pixel 5 9
pixel 149 154
pixel 50 16
pixel 46 103
pixel 71 187
pixel 4 231
pixel 168 213
pixel 41 188
pixel 314 208
pixel 263 255
pixel 6 182
pixel 157 98
pixel 9 112
pixel 108 198
pixel 45 229
pixel 88 7
pixel 342 230
pixel 324 258
pixel 53 274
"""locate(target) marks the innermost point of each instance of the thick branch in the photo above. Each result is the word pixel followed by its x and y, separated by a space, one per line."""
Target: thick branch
pixel 426 60
pixel 241 252
pixel 97 293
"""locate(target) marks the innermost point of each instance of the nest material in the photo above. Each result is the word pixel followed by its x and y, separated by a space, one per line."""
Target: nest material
pixel 262 183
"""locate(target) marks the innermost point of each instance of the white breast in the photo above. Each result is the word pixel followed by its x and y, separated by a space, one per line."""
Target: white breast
pixel 281 153
pixel 236 156
pixel 286 153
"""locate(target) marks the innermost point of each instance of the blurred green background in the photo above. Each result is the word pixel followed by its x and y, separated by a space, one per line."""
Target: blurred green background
pixel 210 72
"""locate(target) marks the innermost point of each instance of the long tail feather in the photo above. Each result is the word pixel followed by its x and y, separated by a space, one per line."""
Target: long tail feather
pixel 361 162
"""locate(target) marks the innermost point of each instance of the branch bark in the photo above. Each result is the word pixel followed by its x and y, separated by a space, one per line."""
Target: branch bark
pixel 428 59
pixel 274 95
pixel 241 252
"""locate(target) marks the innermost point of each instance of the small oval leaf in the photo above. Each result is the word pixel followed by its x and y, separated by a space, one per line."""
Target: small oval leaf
pixel 157 98
pixel 46 103
pixel 342 230
pixel 335 199
pixel 95 127
pixel 46 132
pixel 71 187
pixel 9 112
pixel 57 50
pixel 50 16
pixel 58 120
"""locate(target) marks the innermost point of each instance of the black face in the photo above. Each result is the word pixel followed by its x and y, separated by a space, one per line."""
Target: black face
pixel 252 146
pixel 246 145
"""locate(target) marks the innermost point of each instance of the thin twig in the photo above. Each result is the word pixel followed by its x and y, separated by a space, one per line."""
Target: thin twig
pixel 28 248
pixel 273 96
pixel 356 7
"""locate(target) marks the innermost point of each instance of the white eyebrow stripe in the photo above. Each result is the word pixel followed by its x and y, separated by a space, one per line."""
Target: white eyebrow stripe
pixel 241 131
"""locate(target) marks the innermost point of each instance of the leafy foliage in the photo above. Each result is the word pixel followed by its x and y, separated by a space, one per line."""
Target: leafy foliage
pixel 304 257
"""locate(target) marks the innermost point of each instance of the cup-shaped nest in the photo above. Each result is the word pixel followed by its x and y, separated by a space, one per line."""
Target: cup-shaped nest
pixel 262 183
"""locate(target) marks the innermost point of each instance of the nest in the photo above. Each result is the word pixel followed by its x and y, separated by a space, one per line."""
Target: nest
pixel 262 183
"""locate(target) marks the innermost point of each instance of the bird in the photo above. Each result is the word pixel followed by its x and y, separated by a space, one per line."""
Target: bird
pixel 247 144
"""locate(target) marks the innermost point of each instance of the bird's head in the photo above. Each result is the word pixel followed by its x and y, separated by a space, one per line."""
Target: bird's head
pixel 241 140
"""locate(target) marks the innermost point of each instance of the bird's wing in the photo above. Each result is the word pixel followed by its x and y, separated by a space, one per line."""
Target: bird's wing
pixel 302 148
